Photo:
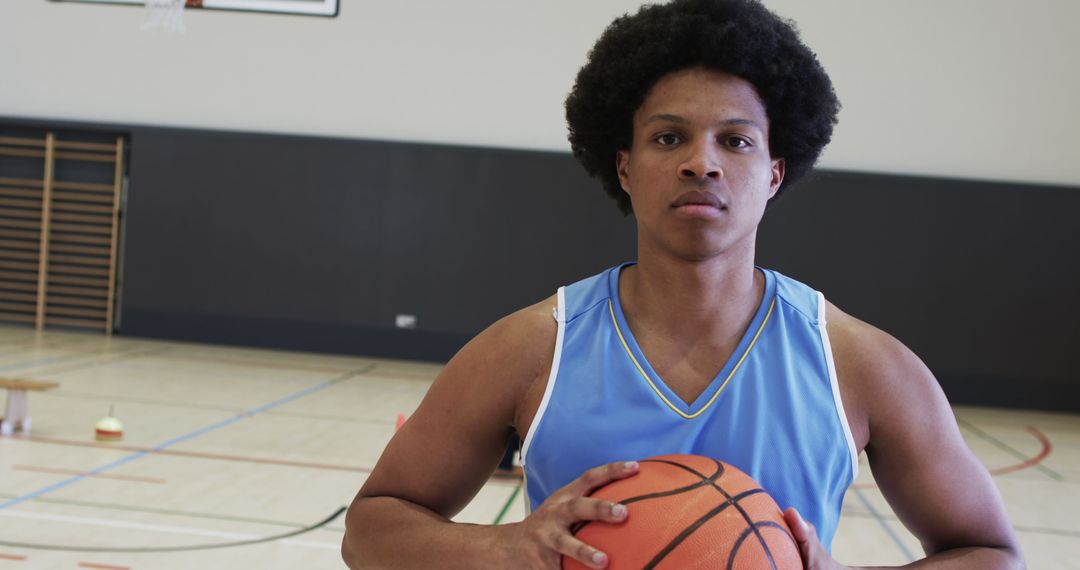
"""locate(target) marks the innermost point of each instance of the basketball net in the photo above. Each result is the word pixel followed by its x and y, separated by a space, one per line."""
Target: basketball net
pixel 164 15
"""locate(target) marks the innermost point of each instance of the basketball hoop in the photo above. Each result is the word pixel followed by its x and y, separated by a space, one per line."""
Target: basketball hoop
pixel 167 15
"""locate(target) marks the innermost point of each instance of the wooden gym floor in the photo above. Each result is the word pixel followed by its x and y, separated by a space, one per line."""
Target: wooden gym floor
pixel 242 458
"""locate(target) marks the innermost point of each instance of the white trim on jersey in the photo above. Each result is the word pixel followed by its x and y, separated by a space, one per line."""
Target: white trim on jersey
pixel 560 318
pixel 836 387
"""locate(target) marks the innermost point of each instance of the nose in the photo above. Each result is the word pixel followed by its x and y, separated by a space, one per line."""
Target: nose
pixel 700 163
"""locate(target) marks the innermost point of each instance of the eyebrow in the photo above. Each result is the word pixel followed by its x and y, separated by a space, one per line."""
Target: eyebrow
pixel 683 120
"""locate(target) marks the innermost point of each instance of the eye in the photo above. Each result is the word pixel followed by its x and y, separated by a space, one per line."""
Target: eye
pixel 737 142
pixel 667 139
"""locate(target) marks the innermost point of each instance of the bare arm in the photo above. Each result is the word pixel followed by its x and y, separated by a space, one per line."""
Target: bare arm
pixel 931 479
pixel 447 450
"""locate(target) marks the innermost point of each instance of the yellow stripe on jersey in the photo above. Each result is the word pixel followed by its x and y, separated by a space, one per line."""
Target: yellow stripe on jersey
pixel 645 375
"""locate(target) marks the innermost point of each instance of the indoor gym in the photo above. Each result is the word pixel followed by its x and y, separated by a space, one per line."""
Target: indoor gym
pixel 315 211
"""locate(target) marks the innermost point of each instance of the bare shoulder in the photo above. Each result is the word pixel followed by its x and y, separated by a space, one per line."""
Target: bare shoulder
pixel 514 351
pixel 880 378
pixel 460 428
pixel 528 329
pixel 866 349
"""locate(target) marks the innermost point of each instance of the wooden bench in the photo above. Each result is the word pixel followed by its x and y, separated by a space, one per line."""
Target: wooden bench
pixel 16 414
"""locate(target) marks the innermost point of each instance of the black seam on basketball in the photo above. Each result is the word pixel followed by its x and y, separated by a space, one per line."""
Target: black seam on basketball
pixel 746 517
pixel 710 480
pixel 713 477
pixel 746 533
pixel 731 501
pixel 753 527
pixel 686 532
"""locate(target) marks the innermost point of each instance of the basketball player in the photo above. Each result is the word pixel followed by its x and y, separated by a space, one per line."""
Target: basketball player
pixel 693 115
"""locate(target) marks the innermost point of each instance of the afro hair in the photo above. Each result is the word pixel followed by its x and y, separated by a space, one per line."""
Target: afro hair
pixel 739 37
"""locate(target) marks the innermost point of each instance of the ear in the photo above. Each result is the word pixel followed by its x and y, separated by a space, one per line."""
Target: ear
pixel 622 166
pixel 777 176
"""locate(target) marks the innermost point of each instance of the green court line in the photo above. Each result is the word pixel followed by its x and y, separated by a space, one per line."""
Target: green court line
pixel 506 506
pixel 116 507
pixel 1008 449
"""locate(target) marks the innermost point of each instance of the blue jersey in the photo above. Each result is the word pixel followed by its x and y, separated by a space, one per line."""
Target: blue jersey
pixel 773 411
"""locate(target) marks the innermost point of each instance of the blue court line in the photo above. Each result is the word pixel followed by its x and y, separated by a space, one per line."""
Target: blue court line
pixel 884 525
pixel 180 439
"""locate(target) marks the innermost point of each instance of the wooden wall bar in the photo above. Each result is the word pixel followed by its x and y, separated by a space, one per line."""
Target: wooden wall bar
pixel 59 237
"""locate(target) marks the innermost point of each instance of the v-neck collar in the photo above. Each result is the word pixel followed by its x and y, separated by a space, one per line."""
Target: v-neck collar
pixel 717 385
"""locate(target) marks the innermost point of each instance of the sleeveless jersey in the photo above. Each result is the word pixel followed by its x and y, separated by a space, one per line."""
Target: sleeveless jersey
pixel 773 411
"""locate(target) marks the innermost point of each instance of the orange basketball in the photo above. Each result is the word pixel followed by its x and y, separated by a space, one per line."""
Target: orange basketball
pixel 689 511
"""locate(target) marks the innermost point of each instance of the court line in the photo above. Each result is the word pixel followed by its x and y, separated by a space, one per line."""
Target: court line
pixel 174 513
pixel 59 471
pixel 197 454
pixel 1016 453
pixel 233 409
pixel 301 367
pixel 88 356
pixel 99 360
pixel 21 346
pixel 185 437
pixel 1034 461
pixel 1027 463
pixel 102 566
pixel 257 364
pixel 506 506
pixel 847 512
pixel 495 479
pixel 239 539
pixel 885 525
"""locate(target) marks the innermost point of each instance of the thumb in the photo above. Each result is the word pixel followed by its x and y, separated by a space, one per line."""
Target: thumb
pixel 800 529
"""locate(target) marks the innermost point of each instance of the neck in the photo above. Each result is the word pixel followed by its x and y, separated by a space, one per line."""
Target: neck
pixel 714 298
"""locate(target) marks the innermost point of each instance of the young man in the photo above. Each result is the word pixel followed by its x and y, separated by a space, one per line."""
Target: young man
pixel 694 115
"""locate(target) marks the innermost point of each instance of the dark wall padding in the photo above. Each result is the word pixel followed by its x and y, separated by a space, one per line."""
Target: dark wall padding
pixel 980 279
pixel 316 244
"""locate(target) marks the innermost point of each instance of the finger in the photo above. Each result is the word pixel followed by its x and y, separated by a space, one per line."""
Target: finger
pixel 566 544
pixel 600 476
pixel 588 509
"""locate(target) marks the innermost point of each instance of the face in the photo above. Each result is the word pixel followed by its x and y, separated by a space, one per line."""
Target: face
pixel 698 171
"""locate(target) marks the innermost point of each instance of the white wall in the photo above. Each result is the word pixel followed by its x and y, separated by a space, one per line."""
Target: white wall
pixel 985 89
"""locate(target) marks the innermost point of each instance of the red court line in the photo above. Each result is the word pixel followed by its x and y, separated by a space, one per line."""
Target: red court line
pixel 60 471
pixel 201 455
pixel 102 566
pixel 1028 463
pixel 11 557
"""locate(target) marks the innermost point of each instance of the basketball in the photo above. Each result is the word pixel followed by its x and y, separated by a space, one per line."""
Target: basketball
pixel 689 511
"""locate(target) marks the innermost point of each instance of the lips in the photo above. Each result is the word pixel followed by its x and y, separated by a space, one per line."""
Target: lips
pixel 698 198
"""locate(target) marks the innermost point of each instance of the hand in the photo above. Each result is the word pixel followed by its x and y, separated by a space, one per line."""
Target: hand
pixel 541 539
pixel 813 552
